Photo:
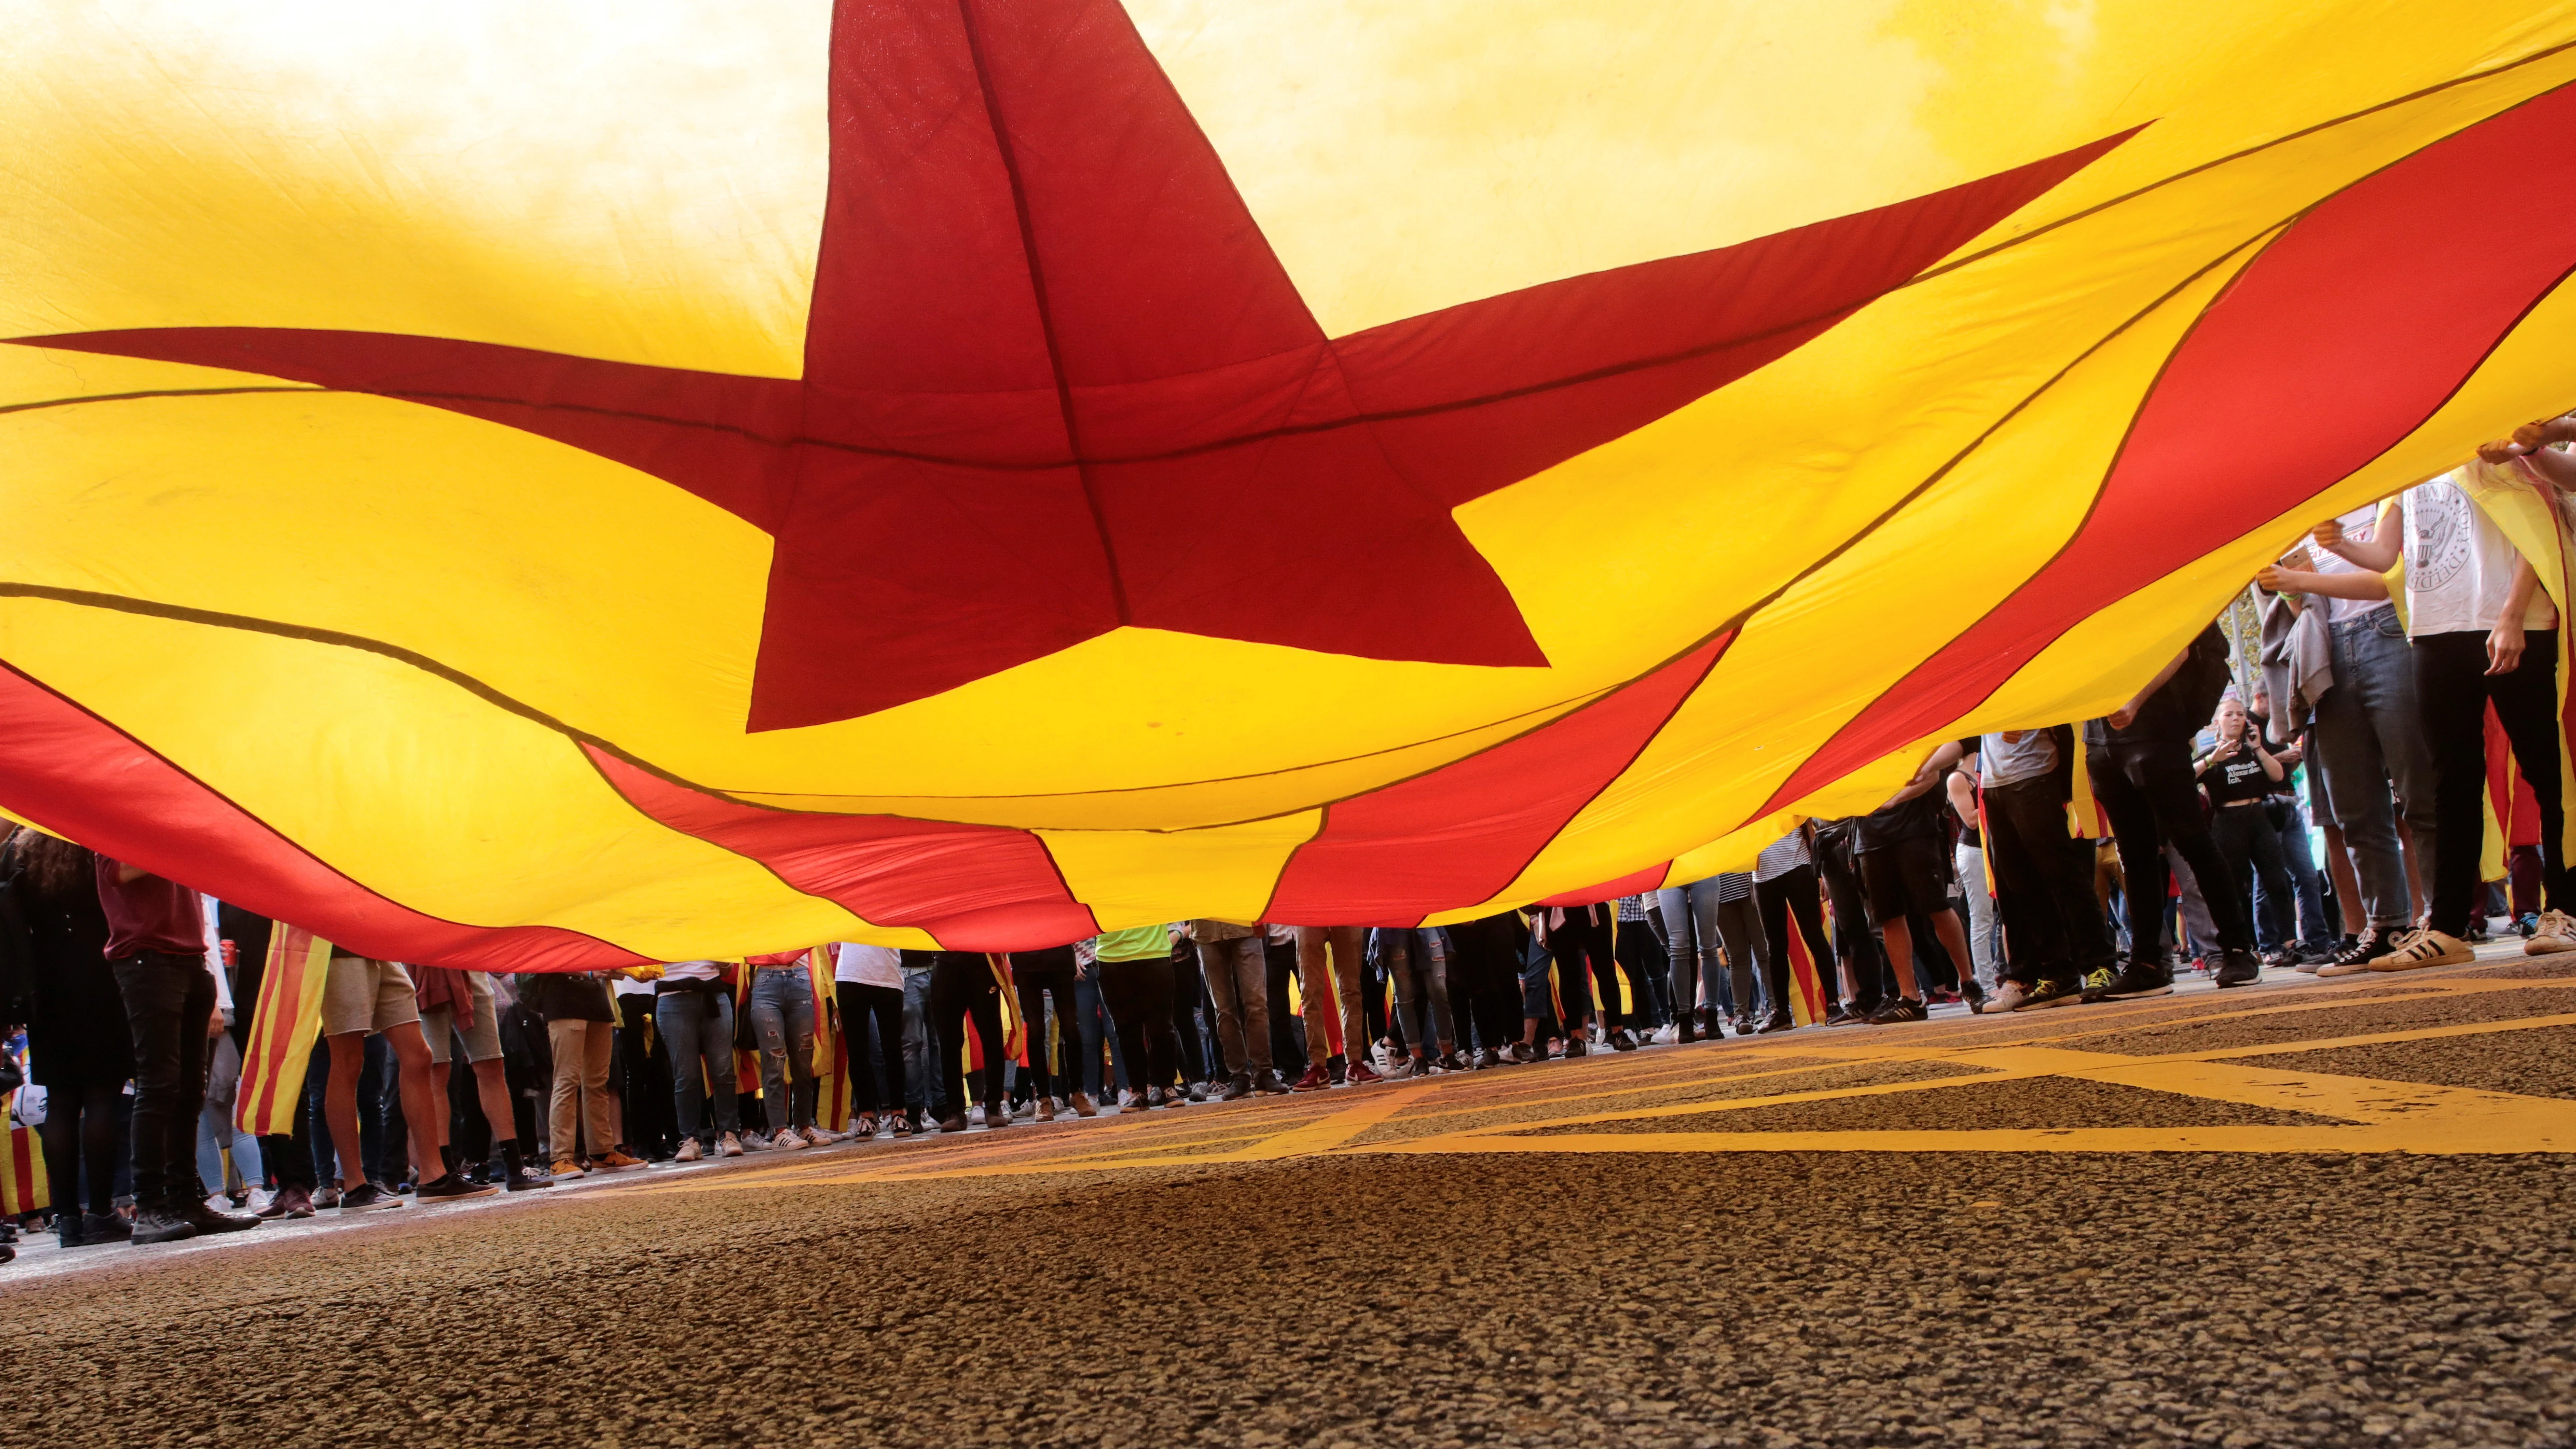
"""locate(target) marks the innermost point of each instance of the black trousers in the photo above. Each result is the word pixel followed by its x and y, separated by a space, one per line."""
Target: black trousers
pixel 168 999
pixel 1793 894
pixel 1139 997
pixel 2452 691
pixel 2053 922
pixel 1639 950
pixel 2147 787
pixel 1039 974
pixel 2251 845
pixel 1581 947
pixel 1287 1028
pixel 650 1111
pixel 1194 1018
pixel 1485 978
pixel 962 990
pixel 81 1149
pixel 876 1077
pixel 1872 980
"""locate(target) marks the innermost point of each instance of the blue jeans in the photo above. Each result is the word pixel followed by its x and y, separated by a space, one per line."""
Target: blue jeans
pixel 697 1027
pixel 782 1021
pixel 2369 737
pixel 1694 941
pixel 920 1054
pixel 1420 978
pixel 1097 1027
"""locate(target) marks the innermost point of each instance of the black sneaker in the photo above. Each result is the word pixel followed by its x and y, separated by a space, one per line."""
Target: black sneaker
pixel 367 1197
pixel 1488 1057
pixel 1902 1009
pixel 1974 995
pixel 2133 979
pixel 2237 967
pixel 209 1222
pixel 1780 1021
pixel 1269 1085
pixel 160 1225
pixel 1843 1015
pixel 1620 1040
pixel 1575 1047
pixel 1237 1087
pixel 529 1179
pixel 2355 959
pixel 2047 992
pixel 1523 1052
pixel 448 1186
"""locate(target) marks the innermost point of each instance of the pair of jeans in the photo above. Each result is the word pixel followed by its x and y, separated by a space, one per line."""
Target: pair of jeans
pixel 1739 926
pixel 1792 893
pixel 1097 1027
pixel 782 1022
pixel 2153 800
pixel 1970 862
pixel 1139 995
pixel 1237 982
pixel 1190 1005
pixel 1694 942
pixel 876 1074
pixel 1420 978
pixel 579 1109
pixel 168 1000
pixel 215 1129
pixel 2369 737
pixel 1328 981
pixel 697 1028
pixel 920 1043
pixel 2452 695
pixel 2053 925
pixel 2313 930
pixel 964 992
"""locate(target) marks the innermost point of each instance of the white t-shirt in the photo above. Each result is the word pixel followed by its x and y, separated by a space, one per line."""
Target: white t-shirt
pixel 868 965
pixel 2357 526
pixel 629 986
pixel 2459 566
pixel 690 971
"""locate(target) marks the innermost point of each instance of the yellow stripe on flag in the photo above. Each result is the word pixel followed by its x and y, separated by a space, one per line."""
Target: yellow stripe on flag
pixel 283 1027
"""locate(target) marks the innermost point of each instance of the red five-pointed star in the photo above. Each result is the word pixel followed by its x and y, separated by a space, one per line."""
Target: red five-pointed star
pixel 1056 382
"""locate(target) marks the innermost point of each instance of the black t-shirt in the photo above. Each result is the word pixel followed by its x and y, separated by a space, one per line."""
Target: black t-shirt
pixel 2238 777
pixel 1915 819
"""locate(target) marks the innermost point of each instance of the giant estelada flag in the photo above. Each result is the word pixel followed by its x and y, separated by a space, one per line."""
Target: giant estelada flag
pixel 540 486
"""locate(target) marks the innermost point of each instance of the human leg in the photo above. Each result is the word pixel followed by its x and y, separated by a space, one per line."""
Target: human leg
pixel 2451 699
pixel 768 1010
pixel 168 1000
pixel 2526 704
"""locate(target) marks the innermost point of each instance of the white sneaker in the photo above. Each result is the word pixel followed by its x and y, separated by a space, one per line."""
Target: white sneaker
pixel 2007 997
pixel 729 1146
pixel 818 1136
pixel 2556 932
pixel 755 1142
pixel 789 1140
pixel 2418 949
pixel 689 1151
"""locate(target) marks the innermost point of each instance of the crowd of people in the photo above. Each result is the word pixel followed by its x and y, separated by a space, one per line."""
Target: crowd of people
pixel 2395 644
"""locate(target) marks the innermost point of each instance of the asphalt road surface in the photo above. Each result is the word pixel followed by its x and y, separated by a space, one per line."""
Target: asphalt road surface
pixel 2328 1213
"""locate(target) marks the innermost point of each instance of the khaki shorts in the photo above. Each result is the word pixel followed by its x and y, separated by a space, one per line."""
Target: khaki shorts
pixel 366 996
pixel 482 1039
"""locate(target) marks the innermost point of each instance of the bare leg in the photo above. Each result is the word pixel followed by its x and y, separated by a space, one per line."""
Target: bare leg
pixel 492 1085
pixel 340 1102
pixel 2347 885
pixel 1900 954
pixel 423 1108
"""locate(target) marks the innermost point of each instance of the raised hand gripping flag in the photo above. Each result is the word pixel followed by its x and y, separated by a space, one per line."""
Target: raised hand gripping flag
pixel 533 488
